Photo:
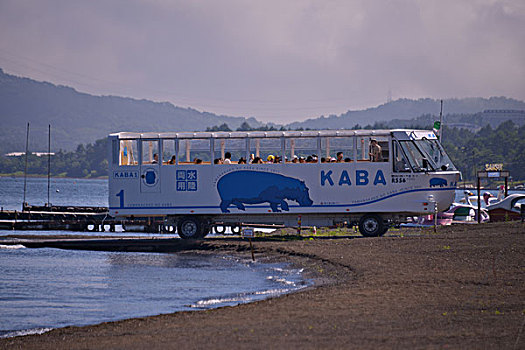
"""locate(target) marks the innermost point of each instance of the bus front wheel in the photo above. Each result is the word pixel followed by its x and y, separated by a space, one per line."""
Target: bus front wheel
pixel 371 225
pixel 189 228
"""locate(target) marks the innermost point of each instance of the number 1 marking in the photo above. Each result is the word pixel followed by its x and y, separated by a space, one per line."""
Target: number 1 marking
pixel 121 196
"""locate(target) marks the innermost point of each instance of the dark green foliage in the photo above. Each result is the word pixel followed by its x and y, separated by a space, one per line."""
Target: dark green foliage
pixel 471 151
pixel 87 161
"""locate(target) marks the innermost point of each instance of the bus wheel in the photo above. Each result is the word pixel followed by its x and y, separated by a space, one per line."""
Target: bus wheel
pixel 189 228
pixel 220 229
pixel 371 225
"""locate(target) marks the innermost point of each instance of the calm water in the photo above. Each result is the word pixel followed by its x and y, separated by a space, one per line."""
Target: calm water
pixel 41 289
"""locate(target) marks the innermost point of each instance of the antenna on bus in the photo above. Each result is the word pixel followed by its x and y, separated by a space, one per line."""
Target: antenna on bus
pixel 441 123
pixel 25 170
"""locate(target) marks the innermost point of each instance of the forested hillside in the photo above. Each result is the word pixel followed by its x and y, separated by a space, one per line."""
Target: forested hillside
pixel 77 117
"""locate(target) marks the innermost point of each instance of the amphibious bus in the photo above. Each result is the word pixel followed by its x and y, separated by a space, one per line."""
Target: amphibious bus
pixel 196 180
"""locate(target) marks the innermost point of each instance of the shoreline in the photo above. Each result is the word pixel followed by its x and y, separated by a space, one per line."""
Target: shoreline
pixel 462 287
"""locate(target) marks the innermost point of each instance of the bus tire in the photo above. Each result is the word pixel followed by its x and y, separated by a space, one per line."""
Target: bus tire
pixel 220 229
pixel 371 225
pixel 189 228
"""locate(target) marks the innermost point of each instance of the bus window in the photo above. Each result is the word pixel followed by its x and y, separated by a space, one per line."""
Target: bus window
pixel 168 152
pixel 415 157
pixel 300 149
pixel 266 149
pixel 236 148
pixel 400 160
pixel 195 151
pixel 128 152
pixel 363 148
pixel 150 151
pixel 337 149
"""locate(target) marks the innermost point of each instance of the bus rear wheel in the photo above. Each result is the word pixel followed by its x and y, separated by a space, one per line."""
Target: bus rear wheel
pixel 371 225
pixel 190 228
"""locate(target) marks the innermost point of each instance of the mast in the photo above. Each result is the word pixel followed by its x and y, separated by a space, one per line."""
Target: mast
pixel 48 163
pixel 25 170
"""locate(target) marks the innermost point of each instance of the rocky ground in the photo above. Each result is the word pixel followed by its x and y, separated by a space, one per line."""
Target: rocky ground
pixel 462 287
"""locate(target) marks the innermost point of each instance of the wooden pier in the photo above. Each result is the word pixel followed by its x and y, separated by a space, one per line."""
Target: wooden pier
pixel 75 218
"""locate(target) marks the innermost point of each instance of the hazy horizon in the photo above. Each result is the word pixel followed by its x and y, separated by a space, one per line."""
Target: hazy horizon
pixel 278 62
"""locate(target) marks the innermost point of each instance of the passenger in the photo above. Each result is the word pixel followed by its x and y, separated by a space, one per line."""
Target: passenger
pixel 302 159
pixel 333 160
pixel 309 159
pixel 347 160
pixel 197 161
pixel 375 151
pixel 270 159
pixel 172 160
pixel 217 161
pixel 257 160
pixel 155 159
pixel 227 158
pixel 315 159
pixel 277 160
pixel 252 156
pixel 241 161
pixel 323 160
pixel 340 157
pixel 295 159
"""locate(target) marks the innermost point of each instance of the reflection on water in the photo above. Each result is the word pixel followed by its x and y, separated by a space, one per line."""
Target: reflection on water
pixel 49 288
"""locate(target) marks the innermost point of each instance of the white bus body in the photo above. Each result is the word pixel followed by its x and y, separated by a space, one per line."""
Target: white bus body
pixel 414 173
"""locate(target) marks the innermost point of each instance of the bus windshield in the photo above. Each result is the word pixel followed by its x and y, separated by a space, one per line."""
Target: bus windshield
pixel 435 154
pixel 426 155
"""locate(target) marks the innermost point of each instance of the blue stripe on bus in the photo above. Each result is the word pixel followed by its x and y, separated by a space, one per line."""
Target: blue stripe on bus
pixel 298 206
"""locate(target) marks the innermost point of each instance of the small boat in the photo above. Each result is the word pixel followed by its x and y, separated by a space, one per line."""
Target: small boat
pixel 465 213
pixel 507 209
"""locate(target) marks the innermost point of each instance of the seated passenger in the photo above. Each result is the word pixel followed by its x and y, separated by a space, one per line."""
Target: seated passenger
pixel 227 158
pixel 347 160
pixel 277 160
pixel 155 159
pixel 257 160
pixel 295 159
pixel 197 161
pixel 340 157
pixel 270 159
pixel 172 160
pixel 217 161
pixel 323 160
pixel 309 159
pixel 241 161
pixel 302 159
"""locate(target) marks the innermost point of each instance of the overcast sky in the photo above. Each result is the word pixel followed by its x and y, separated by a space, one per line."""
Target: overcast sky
pixel 278 61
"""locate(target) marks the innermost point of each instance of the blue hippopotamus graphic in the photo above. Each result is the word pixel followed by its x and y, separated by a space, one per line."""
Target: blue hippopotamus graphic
pixel 437 181
pixel 254 187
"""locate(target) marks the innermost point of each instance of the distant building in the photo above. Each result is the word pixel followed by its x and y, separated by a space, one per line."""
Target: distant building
pixel 38 154
pixel 495 117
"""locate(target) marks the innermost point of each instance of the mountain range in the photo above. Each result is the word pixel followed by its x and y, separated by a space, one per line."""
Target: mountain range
pixel 79 118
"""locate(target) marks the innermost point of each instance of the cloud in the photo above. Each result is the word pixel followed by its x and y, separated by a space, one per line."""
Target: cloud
pixel 276 60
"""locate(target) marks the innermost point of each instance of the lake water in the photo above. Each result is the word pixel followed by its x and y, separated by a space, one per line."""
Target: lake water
pixel 41 289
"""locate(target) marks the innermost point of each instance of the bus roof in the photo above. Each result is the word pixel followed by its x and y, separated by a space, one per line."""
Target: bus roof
pixel 403 133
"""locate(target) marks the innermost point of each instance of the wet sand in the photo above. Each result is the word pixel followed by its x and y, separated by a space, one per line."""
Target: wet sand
pixel 463 287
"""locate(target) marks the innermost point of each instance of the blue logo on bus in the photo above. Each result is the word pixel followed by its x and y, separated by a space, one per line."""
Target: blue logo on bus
pixel 186 180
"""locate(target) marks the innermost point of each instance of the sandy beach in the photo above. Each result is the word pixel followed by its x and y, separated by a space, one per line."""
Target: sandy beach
pixel 462 287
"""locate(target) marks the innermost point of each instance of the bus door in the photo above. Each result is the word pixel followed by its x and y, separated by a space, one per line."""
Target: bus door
pixel 150 166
